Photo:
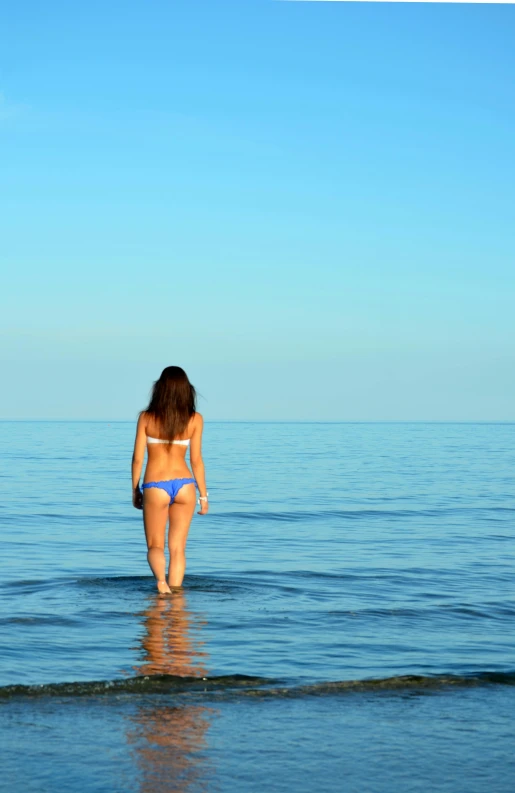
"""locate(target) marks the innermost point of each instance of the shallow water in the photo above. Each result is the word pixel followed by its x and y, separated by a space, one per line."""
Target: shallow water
pixel 459 741
pixel 332 553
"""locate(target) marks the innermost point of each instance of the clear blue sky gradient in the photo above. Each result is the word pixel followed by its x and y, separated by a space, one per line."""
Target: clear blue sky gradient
pixel 309 206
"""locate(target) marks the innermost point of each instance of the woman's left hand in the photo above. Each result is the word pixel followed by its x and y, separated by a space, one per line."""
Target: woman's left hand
pixel 137 498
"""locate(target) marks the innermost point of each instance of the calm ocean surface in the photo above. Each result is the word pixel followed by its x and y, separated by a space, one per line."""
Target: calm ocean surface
pixel 347 621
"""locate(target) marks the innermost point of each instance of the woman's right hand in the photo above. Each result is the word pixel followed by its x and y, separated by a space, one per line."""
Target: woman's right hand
pixel 204 507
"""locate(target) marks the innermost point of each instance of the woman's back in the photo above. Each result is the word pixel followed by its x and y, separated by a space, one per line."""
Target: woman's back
pixel 166 459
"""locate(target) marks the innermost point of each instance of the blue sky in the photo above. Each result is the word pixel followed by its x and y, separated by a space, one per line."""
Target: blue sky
pixel 309 206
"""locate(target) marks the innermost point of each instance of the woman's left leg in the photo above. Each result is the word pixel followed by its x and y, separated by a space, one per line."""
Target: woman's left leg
pixel 155 513
pixel 180 515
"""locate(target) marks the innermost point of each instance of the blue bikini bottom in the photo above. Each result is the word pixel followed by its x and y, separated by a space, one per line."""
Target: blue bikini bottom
pixel 170 486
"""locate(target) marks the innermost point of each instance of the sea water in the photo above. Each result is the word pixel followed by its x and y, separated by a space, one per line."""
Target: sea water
pixel 346 623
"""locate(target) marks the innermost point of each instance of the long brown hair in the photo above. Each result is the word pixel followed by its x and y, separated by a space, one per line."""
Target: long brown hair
pixel 172 402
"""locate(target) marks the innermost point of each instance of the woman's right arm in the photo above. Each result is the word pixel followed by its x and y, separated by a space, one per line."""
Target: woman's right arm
pixel 197 463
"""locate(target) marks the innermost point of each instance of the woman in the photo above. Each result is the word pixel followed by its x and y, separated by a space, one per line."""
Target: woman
pixel 166 429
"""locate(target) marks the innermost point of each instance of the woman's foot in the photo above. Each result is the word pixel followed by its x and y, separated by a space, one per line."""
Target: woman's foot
pixel 163 588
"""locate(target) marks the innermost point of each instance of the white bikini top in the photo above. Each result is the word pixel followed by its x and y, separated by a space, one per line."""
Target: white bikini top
pixel 158 440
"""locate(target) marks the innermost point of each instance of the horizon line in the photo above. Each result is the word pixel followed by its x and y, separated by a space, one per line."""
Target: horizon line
pixel 269 421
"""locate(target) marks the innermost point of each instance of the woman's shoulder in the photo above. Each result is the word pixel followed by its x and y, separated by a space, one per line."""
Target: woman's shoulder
pixel 197 422
pixel 143 420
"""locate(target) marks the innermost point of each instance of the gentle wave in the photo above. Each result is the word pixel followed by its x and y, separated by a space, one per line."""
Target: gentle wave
pixel 356 514
pixel 252 686
pixel 141 684
pixel 496 514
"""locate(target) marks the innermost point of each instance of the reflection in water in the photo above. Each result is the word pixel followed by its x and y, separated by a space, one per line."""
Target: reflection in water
pixel 169 644
pixel 170 740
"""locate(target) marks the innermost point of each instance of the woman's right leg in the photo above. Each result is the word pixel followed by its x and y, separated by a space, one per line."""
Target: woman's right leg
pixel 155 514
pixel 180 514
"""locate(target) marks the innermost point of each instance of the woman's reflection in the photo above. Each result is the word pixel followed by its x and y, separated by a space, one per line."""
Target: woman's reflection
pixel 169 643
pixel 170 740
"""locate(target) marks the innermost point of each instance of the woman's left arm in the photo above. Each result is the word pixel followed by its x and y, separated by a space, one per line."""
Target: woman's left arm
pixel 138 458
